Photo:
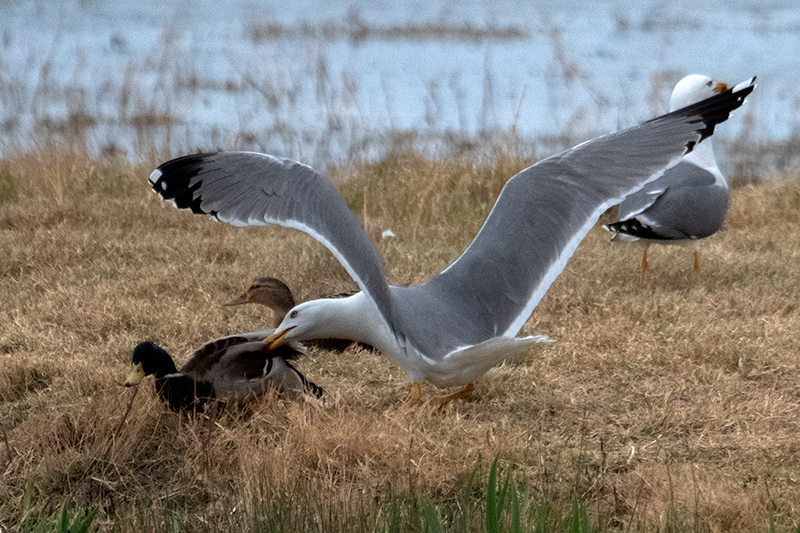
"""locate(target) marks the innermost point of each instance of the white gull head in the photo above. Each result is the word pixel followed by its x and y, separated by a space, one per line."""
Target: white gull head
pixel 694 88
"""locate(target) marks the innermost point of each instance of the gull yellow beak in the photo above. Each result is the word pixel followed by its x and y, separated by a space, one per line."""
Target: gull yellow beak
pixel 277 339
pixel 241 300
pixel 136 375
pixel 720 87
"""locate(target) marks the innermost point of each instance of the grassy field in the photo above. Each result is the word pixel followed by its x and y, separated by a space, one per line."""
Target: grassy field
pixel 671 405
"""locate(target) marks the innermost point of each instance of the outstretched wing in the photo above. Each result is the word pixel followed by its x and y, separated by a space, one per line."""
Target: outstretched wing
pixel 250 189
pixel 539 218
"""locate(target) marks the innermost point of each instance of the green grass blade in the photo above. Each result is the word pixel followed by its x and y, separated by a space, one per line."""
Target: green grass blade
pixel 63 525
pixel 578 521
pixel 492 514
pixel 83 525
pixel 516 524
pixel 27 497
pixel 432 522
pixel 466 500
pixel 501 497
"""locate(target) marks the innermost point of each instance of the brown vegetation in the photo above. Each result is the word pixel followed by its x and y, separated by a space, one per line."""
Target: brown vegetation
pixel 664 405
pixel 355 29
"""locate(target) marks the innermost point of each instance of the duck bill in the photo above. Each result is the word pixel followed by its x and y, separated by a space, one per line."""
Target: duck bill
pixel 241 300
pixel 720 87
pixel 277 339
pixel 135 376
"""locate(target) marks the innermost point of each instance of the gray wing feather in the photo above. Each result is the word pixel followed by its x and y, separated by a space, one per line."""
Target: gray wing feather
pixel 535 226
pixel 690 204
pixel 244 189
pixel 640 200
pixel 683 175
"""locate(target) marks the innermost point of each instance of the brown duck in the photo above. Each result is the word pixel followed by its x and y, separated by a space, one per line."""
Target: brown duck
pixel 276 295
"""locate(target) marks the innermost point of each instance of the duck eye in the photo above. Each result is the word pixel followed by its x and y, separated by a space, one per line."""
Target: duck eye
pixel 293 314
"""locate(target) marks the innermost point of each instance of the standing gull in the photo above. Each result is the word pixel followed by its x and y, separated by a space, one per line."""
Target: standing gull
pixel 454 327
pixel 690 201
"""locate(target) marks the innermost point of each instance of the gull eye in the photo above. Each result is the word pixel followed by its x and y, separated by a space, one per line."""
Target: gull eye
pixel 710 83
pixel 293 314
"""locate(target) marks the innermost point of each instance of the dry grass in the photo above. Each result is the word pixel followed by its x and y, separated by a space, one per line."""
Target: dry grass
pixel 672 405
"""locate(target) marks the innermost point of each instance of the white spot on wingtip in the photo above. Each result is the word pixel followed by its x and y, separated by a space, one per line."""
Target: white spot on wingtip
pixel 155 176
pixel 744 84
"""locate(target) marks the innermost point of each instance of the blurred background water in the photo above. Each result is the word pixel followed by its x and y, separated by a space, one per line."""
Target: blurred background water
pixel 326 81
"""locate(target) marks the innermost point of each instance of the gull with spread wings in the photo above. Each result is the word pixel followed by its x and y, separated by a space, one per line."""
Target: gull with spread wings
pixel 461 322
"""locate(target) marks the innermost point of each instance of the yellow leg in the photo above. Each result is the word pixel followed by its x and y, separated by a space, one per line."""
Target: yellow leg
pixel 644 262
pixel 465 393
pixel 697 265
pixel 415 397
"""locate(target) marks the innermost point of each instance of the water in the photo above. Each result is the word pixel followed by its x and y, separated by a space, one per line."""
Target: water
pixel 175 77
